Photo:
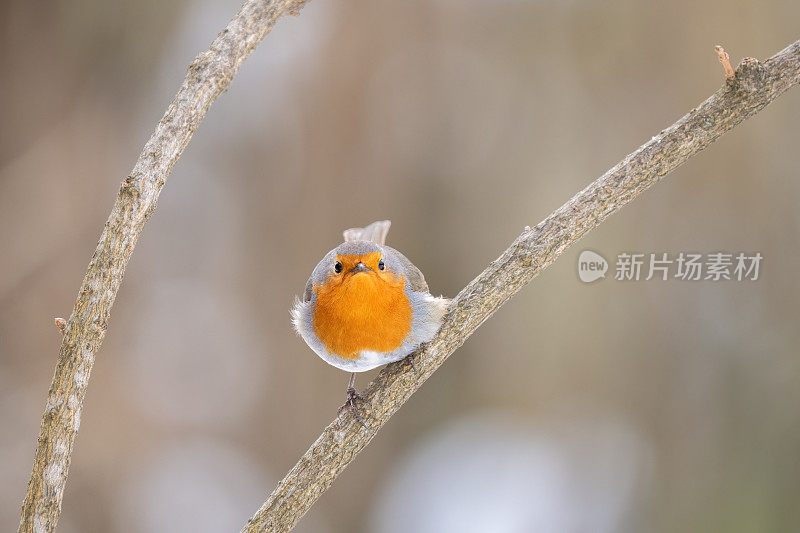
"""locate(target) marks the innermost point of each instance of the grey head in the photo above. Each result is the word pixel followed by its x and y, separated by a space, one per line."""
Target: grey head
pixel 362 241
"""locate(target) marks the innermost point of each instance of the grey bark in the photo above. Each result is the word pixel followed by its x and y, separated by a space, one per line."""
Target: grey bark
pixel 209 75
pixel 754 86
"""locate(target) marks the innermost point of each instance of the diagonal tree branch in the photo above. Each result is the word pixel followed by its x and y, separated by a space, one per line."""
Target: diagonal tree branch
pixel 754 86
pixel 209 75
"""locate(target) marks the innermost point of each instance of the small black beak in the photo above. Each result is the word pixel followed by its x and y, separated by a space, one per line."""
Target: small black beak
pixel 361 267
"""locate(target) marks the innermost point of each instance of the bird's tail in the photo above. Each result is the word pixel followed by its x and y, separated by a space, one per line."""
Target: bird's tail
pixel 375 232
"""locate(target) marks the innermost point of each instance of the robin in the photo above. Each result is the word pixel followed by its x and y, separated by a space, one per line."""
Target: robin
pixel 366 305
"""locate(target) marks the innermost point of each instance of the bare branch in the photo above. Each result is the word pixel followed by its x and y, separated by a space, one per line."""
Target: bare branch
pixel 209 75
pixel 755 85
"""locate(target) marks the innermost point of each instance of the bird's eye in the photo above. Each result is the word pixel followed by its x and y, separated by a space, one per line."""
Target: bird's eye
pixel 337 267
pixel 381 265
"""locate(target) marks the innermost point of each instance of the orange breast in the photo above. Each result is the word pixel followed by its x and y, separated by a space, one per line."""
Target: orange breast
pixel 366 311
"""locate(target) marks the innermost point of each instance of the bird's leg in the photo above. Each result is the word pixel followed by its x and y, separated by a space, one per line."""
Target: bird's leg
pixel 352 396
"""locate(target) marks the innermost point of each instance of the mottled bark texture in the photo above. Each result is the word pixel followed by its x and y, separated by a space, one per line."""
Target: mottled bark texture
pixel 755 85
pixel 209 75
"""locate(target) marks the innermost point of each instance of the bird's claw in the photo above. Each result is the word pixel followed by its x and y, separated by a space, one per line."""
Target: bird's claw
pixel 350 404
pixel 410 358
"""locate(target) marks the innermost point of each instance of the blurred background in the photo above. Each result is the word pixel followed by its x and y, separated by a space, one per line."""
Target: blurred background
pixel 612 406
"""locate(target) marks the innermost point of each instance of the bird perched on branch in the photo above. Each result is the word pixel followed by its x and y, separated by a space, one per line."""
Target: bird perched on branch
pixel 366 305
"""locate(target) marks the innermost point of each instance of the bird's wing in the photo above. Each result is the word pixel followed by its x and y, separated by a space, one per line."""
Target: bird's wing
pixel 307 293
pixel 375 232
pixel 416 281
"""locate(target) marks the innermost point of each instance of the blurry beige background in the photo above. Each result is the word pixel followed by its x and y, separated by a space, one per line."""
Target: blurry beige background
pixel 649 406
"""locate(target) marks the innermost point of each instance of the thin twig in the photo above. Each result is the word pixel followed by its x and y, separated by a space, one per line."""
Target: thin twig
pixel 209 75
pixel 756 85
pixel 722 55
